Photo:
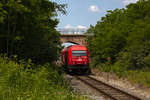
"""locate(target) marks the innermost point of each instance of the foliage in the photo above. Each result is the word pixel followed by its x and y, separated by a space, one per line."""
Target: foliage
pixel 28 29
pixel 124 36
pixel 108 39
pixel 18 81
pixel 2 13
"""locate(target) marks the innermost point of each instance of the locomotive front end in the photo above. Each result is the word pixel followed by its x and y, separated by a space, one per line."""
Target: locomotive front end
pixel 78 59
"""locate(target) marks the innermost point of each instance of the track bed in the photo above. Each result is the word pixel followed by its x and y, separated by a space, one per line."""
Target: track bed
pixel 109 91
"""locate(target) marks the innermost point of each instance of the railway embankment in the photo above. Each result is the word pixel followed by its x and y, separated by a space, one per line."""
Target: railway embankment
pixel 105 87
pixel 122 83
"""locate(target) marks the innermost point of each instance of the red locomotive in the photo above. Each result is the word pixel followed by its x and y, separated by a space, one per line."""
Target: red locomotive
pixel 75 58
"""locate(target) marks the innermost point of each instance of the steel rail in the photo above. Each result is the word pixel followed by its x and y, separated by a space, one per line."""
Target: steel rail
pixel 108 90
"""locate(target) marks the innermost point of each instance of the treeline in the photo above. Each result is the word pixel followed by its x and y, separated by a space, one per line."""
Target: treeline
pixel 29 43
pixel 122 37
pixel 27 29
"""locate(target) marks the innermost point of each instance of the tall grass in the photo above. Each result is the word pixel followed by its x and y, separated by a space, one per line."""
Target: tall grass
pixel 23 82
pixel 140 76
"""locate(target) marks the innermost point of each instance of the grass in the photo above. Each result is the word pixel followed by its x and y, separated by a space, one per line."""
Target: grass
pixel 20 81
pixel 140 76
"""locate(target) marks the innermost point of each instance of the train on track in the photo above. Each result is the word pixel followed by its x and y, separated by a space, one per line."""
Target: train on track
pixel 75 58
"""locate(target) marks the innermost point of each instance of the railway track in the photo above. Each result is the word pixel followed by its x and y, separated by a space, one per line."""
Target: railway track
pixel 109 91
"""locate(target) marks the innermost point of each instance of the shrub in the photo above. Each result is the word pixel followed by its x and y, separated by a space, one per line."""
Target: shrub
pixel 21 82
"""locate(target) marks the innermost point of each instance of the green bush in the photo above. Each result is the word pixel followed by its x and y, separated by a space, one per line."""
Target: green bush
pixel 21 82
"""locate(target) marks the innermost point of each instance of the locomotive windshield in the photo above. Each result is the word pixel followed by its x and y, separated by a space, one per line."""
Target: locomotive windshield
pixel 78 53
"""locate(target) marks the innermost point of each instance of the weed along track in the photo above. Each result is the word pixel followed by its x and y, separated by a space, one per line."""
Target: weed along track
pixel 109 91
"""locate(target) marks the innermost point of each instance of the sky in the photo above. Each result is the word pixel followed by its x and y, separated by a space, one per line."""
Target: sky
pixel 83 13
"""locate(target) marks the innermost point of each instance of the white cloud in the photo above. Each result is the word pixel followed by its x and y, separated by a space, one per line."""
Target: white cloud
pixel 94 8
pixel 68 26
pixel 68 29
pixel 81 27
pixel 126 2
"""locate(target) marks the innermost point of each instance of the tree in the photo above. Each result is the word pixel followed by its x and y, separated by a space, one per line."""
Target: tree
pixel 123 35
pixel 29 29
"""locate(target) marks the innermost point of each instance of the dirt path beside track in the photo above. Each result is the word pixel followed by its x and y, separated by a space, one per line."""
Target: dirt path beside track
pixel 124 84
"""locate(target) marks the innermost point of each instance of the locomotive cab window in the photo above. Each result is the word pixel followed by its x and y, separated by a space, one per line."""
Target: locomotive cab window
pixel 78 53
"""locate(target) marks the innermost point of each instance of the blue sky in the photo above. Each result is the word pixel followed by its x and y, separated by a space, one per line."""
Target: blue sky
pixel 83 13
